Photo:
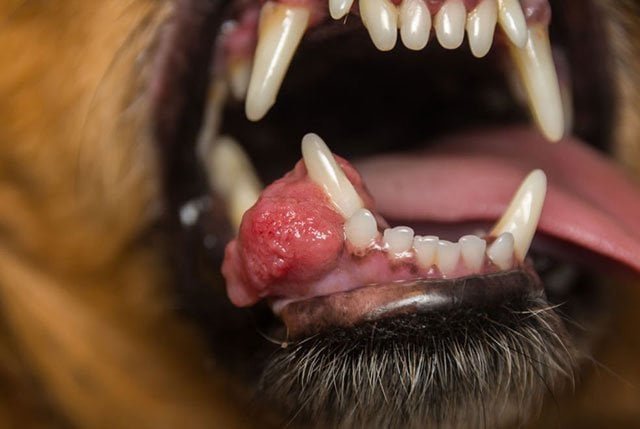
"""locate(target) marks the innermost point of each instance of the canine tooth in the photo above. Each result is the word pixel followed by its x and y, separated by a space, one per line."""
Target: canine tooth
pixel 415 24
pixel 472 249
pixel 538 74
pixel 361 229
pixel 447 256
pixel 325 171
pixel 501 251
pixel 398 240
pixel 279 33
pixel 522 216
pixel 380 17
pixel 449 24
pixel 425 249
pixel 481 25
pixel 339 8
pixel 512 21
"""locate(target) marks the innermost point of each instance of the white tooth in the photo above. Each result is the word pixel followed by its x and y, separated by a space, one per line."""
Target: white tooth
pixel 380 17
pixel 447 257
pixel 233 176
pixel 425 249
pixel 415 24
pixel 501 251
pixel 538 74
pixel 449 24
pixel 481 25
pixel 361 229
pixel 522 216
pixel 339 8
pixel 279 33
pixel 398 240
pixel 472 249
pixel 512 21
pixel 239 75
pixel 218 94
pixel 325 171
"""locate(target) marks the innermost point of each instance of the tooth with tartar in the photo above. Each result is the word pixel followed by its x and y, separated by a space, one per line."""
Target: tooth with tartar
pixel 324 170
pixel 398 240
pixel 339 8
pixel 522 216
pixel 425 249
pixel 538 73
pixel 501 251
pixel 447 257
pixel 380 17
pixel 481 25
pixel 472 249
pixel 361 229
pixel 415 24
pixel 279 33
pixel 512 21
pixel 450 23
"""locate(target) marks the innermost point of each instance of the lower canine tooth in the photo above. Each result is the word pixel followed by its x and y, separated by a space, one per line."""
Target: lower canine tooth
pixel 415 24
pixel 472 249
pixel 501 251
pixel 481 25
pixel 447 257
pixel 380 17
pixel 339 8
pixel 512 21
pixel 398 240
pixel 361 229
pixel 425 249
pixel 279 33
pixel 450 23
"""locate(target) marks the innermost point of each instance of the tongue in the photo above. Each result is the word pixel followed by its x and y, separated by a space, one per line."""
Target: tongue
pixel 590 202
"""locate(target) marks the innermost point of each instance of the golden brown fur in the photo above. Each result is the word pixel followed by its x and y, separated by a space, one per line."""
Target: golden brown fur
pixel 88 337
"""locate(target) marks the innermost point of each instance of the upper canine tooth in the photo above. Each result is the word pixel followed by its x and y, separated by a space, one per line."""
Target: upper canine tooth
pixel 512 21
pixel 415 24
pixel 280 30
pixel 450 22
pixel 361 229
pixel 538 73
pixel 325 171
pixel 380 17
pixel 339 8
pixel 481 25
pixel 522 216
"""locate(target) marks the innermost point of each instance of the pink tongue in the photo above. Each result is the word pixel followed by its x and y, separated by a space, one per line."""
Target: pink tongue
pixel 471 177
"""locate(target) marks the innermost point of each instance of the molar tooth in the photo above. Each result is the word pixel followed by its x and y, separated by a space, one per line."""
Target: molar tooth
pixel 449 24
pixel 380 17
pixel 398 240
pixel 447 257
pixel 521 217
pixel 339 8
pixel 361 229
pixel 501 251
pixel 472 249
pixel 279 33
pixel 512 21
pixel 415 24
pixel 324 170
pixel 537 71
pixel 481 25
pixel 425 249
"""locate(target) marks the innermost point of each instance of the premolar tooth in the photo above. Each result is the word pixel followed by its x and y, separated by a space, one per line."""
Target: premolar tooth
pixel 325 171
pixel 447 257
pixel 279 33
pixel 481 25
pixel 361 229
pixel 538 74
pixel 520 220
pixel 512 21
pixel 450 23
pixel 472 249
pixel 339 8
pixel 380 17
pixel 425 249
pixel 398 240
pixel 501 251
pixel 415 24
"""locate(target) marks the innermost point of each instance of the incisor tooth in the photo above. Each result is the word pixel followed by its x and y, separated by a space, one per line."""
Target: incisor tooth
pixel 425 249
pixel 449 24
pixel 415 24
pixel 339 8
pixel 522 216
pixel 512 21
pixel 380 17
pixel 447 257
pixel 279 33
pixel 398 240
pixel 325 171
pixel 481 25
pixel 361 229
pixel 538 73
pixel 501 251
pixel 472 249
